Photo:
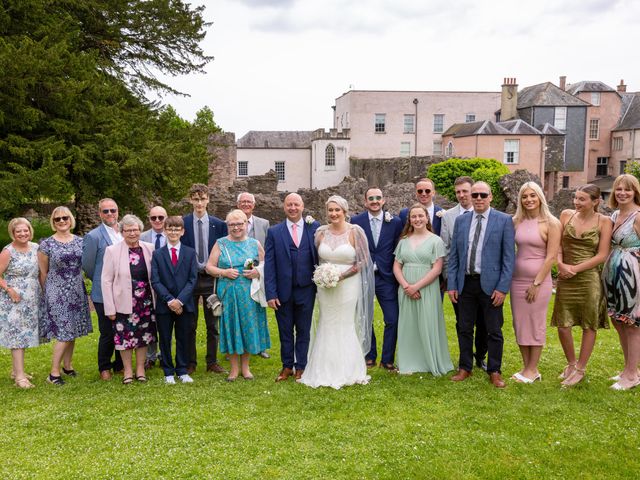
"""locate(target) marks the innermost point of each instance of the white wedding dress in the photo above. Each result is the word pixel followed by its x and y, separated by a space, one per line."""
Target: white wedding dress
pixel 335 355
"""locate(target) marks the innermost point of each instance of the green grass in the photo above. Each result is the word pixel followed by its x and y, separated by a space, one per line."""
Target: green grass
pixel 396 427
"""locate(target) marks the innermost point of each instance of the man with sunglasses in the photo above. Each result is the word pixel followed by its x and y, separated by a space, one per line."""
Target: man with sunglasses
pixel 481 262
pixel 425 191
pixel 383 232
pixel 157 237
pixel 93 246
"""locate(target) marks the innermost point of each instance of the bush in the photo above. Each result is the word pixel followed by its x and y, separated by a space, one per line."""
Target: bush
pixel 41 229
pixel 488 170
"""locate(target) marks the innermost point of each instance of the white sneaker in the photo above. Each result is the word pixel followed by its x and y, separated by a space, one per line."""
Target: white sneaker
pixel 186 378
pixel 169 380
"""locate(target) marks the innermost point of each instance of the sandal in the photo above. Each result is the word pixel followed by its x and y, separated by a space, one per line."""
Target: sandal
pixel 566 372
pixel 53 380
pixel 24 383
pixel 576 377
pixel 141 378
pixel 28 376
pixel 127 380
pixel 70 373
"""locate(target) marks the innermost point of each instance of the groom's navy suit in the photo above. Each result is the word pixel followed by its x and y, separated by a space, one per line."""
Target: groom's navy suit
pixel 288 277
pixel 386 284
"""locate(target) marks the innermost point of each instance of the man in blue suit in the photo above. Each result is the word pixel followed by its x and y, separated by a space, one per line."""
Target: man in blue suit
pixel 383 231
pixel 425 191
pixel 480 266
pixel 93 246
pixel 290 257
pixel 201 231
pixel 174 272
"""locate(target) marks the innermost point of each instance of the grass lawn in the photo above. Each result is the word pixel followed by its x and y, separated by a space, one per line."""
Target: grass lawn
pixel 396 427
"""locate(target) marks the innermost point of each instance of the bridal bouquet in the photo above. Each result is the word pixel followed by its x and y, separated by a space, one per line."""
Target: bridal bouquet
pixel 326 275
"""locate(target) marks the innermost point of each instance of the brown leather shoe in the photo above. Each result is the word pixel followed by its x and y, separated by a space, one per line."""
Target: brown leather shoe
pixel 388 366
pixel 215 368
pixel 299 374
pixel 105 375
pixel 461 375
pixel 370 363
pixel 284 374
pixel 191 368
pixel 496 379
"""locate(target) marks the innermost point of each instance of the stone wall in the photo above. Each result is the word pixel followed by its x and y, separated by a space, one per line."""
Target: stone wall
pixel 385 171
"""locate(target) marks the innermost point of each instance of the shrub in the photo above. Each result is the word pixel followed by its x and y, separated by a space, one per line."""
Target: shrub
pixel 488 170
pixel 41 229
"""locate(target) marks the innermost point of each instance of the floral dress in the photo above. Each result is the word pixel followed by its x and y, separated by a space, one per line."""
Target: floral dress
pixel 19 321
pixel 138 329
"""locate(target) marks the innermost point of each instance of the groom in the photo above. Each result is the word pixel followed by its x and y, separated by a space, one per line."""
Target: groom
pixel 290 256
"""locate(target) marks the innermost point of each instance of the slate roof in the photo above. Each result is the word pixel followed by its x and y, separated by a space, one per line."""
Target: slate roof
pixel 547 94
pixel 509 127
pixel 630 118
pixel 276 139
pixel 588 86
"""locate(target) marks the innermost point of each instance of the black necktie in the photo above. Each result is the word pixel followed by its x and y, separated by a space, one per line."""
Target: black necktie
pixel 474 245
pixel 200 243
pixel 158 236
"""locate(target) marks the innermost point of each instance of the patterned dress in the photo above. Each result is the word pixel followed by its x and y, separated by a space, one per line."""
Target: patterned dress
pixel 138 329
pixel 621 273
pixel 66 306
pixel 243 325
pixel 19 321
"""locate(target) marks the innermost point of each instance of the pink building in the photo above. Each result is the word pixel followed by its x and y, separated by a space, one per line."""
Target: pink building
pixel 625 137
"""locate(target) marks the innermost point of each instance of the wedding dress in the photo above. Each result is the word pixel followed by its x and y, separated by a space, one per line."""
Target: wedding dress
pixel 339 335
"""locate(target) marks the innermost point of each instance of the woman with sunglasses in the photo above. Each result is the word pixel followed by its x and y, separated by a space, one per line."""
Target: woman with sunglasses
pixel 66 306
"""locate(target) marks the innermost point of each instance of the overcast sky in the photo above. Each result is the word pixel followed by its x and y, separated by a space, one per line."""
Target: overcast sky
pixel 280 64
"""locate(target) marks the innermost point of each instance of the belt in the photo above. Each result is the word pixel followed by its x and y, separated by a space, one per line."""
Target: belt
pixel 472 275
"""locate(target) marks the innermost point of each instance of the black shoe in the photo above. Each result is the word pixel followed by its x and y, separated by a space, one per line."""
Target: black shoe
pixel 70 373
pixel 481 364
pixel 55 380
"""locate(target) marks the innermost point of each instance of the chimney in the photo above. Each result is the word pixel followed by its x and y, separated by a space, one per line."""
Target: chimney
pixel 563 82
pixel 509 100
pixel 622 87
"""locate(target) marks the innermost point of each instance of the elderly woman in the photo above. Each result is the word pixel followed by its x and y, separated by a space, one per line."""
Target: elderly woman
pixel 66 305
pixel 20 296
pixel 243 325
pixel 128 298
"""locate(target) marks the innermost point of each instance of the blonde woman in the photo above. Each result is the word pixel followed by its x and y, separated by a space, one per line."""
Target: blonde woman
pixel 537 241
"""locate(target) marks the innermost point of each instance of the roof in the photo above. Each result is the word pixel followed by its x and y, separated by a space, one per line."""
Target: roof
pixel 630 118
pixel 276 139
pixel 509 127
pixel 588 86
pixel 547 94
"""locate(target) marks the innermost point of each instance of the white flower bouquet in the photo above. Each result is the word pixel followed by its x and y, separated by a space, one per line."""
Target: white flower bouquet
pixel 326 275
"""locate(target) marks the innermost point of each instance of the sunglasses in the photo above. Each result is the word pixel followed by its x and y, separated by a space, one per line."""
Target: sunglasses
pixel 421 191
pixel 109 210
pixel 61 219
pixel 479 194
pixel 156 218
pixel 374 198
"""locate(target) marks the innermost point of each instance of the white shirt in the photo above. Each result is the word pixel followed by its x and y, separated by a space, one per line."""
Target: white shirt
pixel 472 231
pixel 430 211
pixel 163 238
pixel 176 246
pixel 116 237
pixel 300 225
pixel 250 226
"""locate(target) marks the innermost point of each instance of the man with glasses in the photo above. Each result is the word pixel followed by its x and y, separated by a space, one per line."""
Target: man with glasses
pixel 158 238
pixel 94 244
pixel 201 231
pixel 425 191
pixel 383 231
pixel 481 262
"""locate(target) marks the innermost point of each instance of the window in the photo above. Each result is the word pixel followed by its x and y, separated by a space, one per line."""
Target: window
pixel 565 182
pixel 511 151
pixel 409 123
pixel 470 117
pixel 438 123
pixel 243 169
pixel 560 118
pixel 279 167
pixel 623 167
pixel 602 166
pixel 405 149
pixel 449 149
pixel 330 157
pixel 617 143
pixel 595 99
pixel 380 121
pixel 437 147
pixel 594 129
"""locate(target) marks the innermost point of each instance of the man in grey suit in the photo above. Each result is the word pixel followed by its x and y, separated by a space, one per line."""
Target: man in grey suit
pixel 93 246
pixel 256 227
pixel 462 186
pixel 156 236
pixel 481 262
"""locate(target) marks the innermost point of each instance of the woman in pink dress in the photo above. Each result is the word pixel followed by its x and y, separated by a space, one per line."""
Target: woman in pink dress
pixel 538 235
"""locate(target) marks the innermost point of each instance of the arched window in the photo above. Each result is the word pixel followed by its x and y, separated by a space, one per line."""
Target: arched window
pixel 449 149
pixel 330 157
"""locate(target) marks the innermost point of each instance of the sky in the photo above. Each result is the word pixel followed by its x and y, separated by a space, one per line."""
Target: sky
pixel 280 64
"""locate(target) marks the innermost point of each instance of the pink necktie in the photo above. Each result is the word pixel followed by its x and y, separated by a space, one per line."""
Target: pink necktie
pixel 294 234
pixel 174 257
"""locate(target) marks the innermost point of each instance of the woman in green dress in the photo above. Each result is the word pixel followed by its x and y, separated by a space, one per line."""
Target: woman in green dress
pixel 422 338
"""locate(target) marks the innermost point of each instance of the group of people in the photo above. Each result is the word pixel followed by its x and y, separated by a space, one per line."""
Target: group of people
pixel 146 286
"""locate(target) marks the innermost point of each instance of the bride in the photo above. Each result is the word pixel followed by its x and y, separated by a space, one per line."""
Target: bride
pixel 341 334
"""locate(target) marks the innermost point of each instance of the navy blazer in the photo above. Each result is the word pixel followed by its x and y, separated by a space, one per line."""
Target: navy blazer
pixel 278 270
pixel 171 282
pixel 217 229
pixel 498 253
pixel 436 221
pixel 382 254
